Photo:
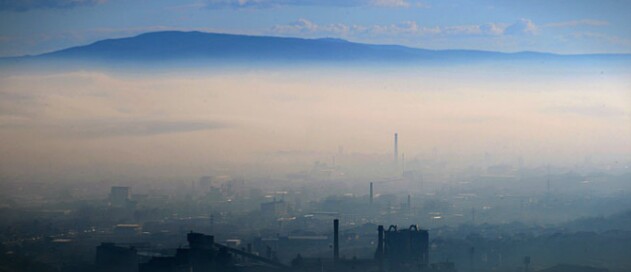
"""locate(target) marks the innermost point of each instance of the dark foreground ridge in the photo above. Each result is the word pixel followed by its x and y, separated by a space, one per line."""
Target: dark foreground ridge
pixel 396 250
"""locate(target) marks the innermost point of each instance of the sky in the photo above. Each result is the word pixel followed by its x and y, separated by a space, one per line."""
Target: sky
pixel 99 122
pixel 559 26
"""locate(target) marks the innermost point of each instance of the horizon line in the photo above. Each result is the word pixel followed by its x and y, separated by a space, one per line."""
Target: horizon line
pixel 313 39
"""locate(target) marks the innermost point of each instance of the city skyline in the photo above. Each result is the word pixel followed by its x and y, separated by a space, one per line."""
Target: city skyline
pixel 315 135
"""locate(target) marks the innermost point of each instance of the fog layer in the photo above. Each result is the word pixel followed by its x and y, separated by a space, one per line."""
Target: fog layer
pixel 97 124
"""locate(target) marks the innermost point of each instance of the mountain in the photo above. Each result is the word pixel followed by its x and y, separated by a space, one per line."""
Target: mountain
pixel 200 46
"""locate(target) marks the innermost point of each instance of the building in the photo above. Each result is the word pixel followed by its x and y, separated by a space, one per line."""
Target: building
pixel 127 229
pixel 396 150
pixel 203 254
pixel 119 196
pixel 403 248
pixel 110 257
pixel 274 208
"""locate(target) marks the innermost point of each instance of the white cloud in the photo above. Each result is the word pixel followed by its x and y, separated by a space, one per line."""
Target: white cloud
pixel 391 3
pixel 523 26
pixel 490 29
pixel 309 28
pixel 575 23
pixel 493 28
pixel 304 26
pixel 331 3
pixel 406 28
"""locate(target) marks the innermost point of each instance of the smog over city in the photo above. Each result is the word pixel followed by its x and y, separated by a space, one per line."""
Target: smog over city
pixel 293 135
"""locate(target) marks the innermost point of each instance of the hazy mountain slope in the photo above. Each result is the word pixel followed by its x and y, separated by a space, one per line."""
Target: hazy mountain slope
pixel 199 46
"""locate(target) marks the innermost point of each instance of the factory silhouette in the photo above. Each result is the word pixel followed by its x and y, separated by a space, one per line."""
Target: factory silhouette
pixel 397 249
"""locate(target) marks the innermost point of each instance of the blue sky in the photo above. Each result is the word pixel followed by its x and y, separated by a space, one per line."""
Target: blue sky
pixel 560 26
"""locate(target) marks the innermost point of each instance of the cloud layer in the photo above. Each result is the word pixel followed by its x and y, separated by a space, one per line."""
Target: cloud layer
pixel 305 26
pixel 112 128
pixel 331 3
pixel 25 5
pixel 575 23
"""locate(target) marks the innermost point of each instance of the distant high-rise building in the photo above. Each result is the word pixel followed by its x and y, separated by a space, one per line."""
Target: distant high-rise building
pixel 396 149
pixel 119 196
pixel 336 242
pixel 371 193
pixel 274 208
pixel 403 162
pixel 204 184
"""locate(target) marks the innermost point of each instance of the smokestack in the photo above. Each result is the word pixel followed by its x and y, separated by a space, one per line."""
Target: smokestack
pixel 336 240
pixel 403 162
pixel 379 254
pixel 371 195
pixel 396 149
pixel 471 259
pixel 527 264
pixel 409 202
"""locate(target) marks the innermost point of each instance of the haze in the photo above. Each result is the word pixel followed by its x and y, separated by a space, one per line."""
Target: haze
pixel 99 123
pixel 315 136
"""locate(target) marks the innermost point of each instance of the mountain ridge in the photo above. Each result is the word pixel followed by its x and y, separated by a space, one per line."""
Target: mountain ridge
pixel 195 45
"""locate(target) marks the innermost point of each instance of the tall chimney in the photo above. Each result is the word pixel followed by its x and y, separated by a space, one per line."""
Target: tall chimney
pixel 403 162
pixel 371 195
pixel 336 240
pixel 379 254
pixel 396 149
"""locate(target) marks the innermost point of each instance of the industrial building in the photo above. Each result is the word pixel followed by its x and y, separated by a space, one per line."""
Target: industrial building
pixel 397 250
